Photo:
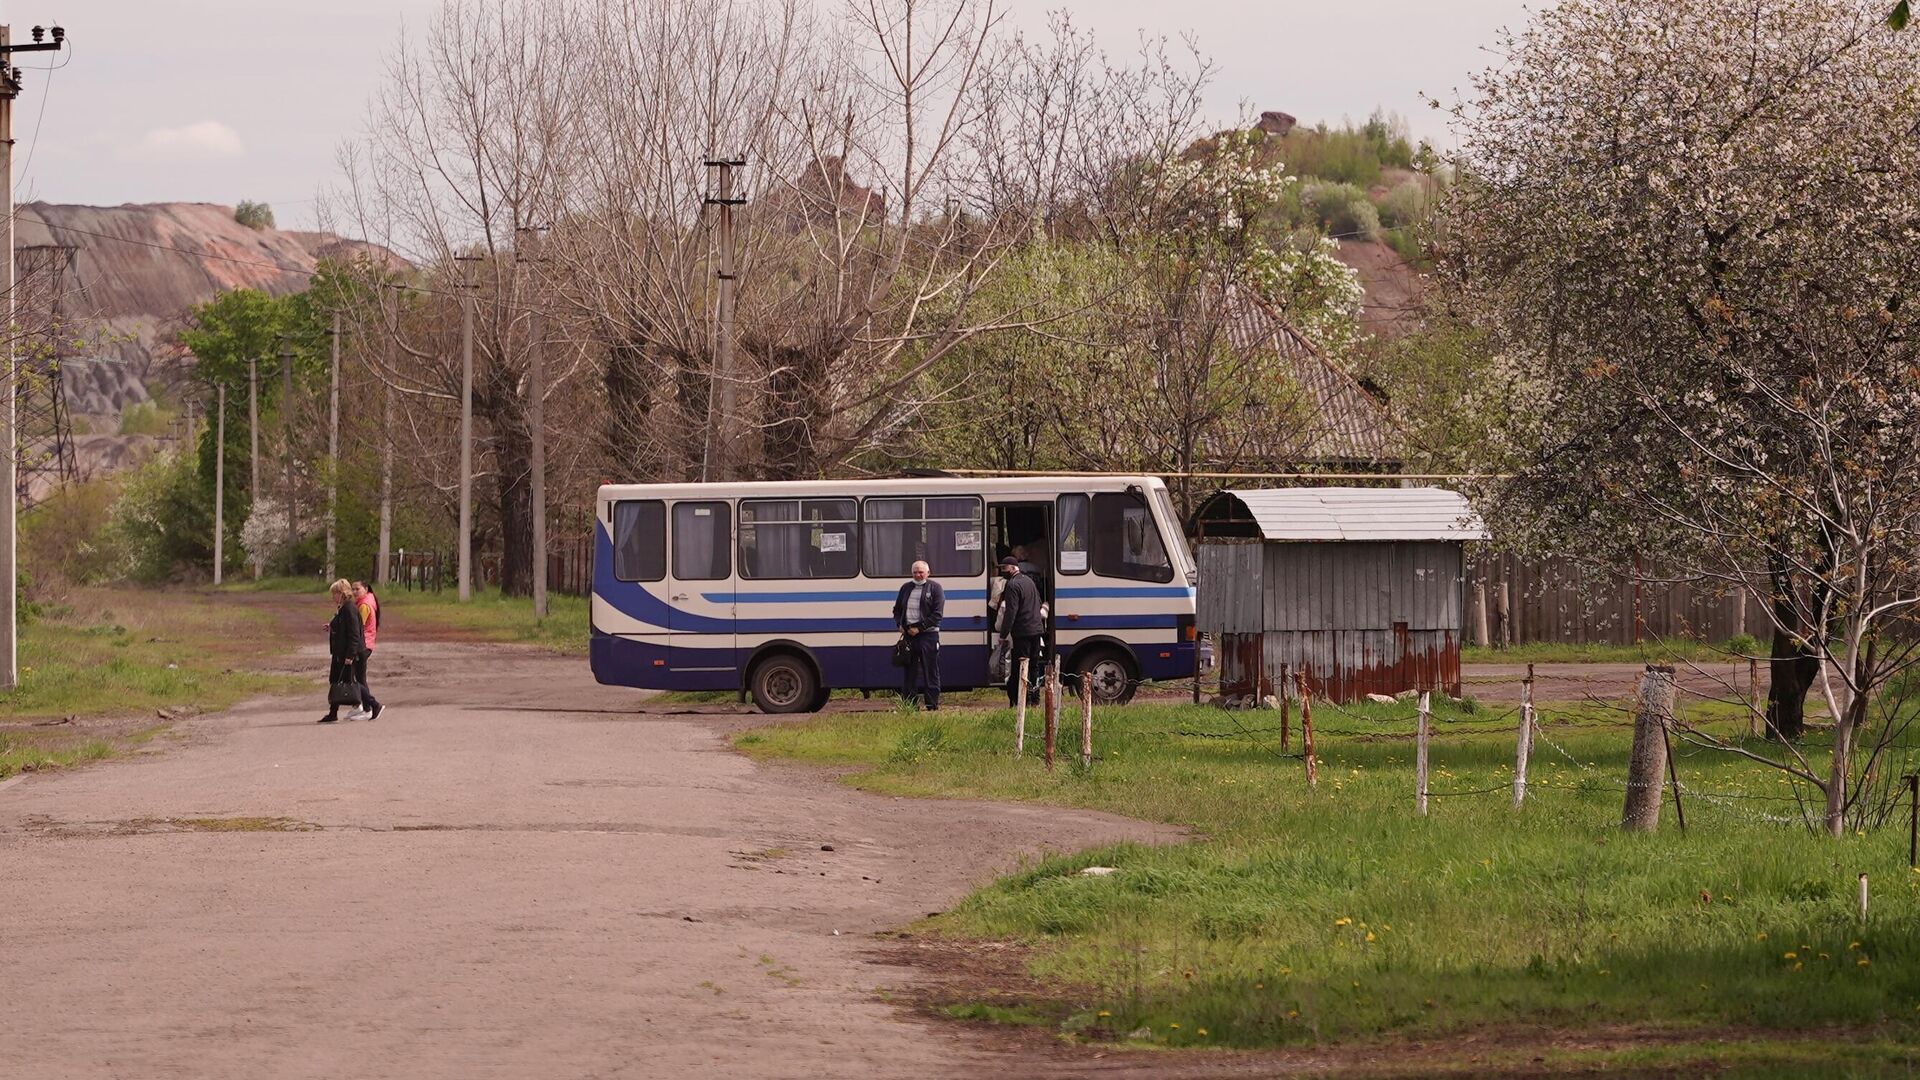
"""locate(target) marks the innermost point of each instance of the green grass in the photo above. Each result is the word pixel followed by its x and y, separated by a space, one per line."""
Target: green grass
pixel 128 650
pixel 1653 651
pixel 489 616
pixel 1299 915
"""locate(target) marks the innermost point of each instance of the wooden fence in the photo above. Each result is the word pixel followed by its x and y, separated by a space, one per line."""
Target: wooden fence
pixel 1553 600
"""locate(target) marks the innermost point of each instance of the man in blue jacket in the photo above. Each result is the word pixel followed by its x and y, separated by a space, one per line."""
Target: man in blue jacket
pixel 916 611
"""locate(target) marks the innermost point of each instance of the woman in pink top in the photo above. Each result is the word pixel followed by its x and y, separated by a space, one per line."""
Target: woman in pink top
pixel 369 607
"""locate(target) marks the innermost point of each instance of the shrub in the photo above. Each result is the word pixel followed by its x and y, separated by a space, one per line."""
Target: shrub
pixel 254 215
pixel 1405 205
pixel 64 539
pixel 161 524
pixel 144 418
pixel 1343 210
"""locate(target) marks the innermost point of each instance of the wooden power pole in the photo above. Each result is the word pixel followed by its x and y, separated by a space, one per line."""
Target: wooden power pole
pixel 381 561
pixel 220 486
pixel 333 449
pixel 536 425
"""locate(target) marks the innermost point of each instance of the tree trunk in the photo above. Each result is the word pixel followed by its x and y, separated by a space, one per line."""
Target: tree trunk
pixel 1791 671
pixel 627 435
pixel 512 457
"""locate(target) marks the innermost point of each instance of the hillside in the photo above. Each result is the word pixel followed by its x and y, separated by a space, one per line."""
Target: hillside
pixel 138 269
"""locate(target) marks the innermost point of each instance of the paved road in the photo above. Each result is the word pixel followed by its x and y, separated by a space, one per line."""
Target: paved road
pixel 515 873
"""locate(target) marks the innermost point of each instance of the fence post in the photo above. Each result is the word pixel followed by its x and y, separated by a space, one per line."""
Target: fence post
pixel 1642 813
pixel 1913 820
pixel 1086 723
pixel 1306 729
pixel 1523 748
pixel 1286 708
pixel 1480 635
pixel 1196 669
pixel 1753 696
pixel 1420 756
pixel 1051 703
pixel 1020 712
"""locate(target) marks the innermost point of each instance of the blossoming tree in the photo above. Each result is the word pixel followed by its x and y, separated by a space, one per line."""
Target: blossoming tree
pixel 1693 226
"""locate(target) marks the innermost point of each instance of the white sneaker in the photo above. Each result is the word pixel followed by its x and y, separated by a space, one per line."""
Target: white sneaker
pixel 359 714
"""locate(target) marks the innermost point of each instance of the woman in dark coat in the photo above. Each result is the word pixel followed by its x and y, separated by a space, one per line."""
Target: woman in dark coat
pixel 346 640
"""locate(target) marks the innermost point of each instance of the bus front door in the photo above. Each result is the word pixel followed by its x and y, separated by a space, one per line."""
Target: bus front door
pixel 1023 529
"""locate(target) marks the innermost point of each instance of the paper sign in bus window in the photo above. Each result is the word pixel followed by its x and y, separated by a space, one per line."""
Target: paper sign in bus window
pixel 831 541
pixel 966 541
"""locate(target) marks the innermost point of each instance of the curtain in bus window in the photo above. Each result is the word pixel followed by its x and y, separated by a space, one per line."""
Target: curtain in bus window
pixel 639 541
pixel 1126 543
pixel 769 549
pixel 885 539
pixel 702 537
pixel 1074 521
pixel 953 537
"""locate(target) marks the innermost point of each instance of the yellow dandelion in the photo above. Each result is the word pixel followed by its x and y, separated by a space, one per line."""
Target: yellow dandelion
pixel 1175 1027
pixel 1286 971
pixel 1605 971
pixel 1790 956
pixel 1342 921
pixel 1386 926
pixel 1862 962
pixel 1761 936
pixel 1104 1014
pixel 1823 956
pixel 1369 935
pixel 1852 945
pixel 1200 1031
pixel 1293 1014
pixel 1797 966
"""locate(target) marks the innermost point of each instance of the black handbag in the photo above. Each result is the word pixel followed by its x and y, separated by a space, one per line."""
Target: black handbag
pixel 902 651
pixel 346 692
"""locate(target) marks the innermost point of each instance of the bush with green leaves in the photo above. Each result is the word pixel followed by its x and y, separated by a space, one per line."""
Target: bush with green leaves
pixel 254 215
pixel 1343 210
pixel 1406 205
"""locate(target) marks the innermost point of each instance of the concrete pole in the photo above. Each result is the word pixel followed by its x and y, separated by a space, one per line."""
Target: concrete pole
pixel 333 450
pixel 253 437
pixel 220 487
pixel 286 453
pixel 381 561
pixel 9 449
pixel 1649 757
pixel 466 439
pixel 537 432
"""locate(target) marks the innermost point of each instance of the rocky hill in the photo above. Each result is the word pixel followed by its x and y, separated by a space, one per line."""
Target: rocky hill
pixel 136 272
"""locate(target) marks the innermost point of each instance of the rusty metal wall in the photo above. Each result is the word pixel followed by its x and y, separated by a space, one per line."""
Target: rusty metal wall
pixel 1355 618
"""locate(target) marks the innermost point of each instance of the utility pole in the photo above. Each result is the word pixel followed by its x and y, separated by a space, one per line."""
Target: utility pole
pixel 220 487
pixel 466 426
pixel 386 453
pixel 717 463
pixel 333 448
pixel 9 434
pixel 536 426
pixel 286 451
pixel 253 437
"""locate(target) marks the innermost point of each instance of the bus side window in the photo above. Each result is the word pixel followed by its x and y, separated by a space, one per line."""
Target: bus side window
pixel 1073 527
pixel 640 540
pixel 1126 542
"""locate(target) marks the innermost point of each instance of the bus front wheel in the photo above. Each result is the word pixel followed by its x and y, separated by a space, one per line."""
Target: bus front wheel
pixel 784 683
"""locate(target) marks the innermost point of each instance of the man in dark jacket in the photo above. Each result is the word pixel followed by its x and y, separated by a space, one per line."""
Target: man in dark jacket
pixel 916 611
pixel 1020 617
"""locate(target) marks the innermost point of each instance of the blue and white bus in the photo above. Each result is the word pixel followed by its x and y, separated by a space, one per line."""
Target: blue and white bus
pixel 785 590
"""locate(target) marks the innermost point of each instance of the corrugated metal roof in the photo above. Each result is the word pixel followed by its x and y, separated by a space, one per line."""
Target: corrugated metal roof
pixel 1356 513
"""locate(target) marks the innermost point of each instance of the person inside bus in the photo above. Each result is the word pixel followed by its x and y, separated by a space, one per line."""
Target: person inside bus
pixel 1021 616
pixel 916 611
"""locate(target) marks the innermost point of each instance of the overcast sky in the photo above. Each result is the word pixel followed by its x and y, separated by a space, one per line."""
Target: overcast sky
pixel 221 100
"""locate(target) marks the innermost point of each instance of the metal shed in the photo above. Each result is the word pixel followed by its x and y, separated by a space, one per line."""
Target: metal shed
pixel 1359 589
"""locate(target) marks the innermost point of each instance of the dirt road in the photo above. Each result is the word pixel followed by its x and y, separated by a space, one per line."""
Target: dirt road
pixel 515 873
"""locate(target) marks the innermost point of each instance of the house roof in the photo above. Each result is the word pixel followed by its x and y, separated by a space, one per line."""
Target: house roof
pixel 1348 513
pixel 1348 423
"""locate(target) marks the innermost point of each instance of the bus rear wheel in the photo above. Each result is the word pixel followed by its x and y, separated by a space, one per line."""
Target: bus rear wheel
pixel 1108 674
pixel 784 683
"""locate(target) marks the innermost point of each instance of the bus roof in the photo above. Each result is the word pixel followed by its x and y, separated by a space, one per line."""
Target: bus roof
pixel 902 485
